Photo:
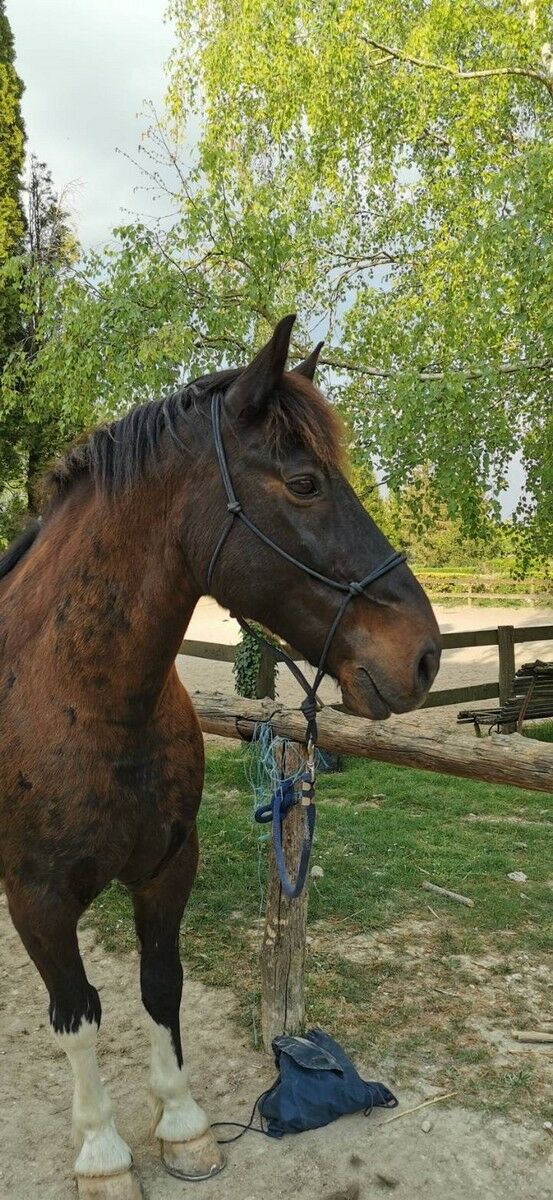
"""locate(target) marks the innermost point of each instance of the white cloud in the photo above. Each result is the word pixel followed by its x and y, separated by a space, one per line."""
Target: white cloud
pixel 87 70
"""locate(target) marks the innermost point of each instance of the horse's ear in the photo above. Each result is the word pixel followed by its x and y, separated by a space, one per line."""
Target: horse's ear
pixel 252 390
pixel 309 364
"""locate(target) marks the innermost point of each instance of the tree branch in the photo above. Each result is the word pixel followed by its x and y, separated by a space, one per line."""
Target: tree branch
pixel 367 260
pixel 434 376
pixel 392 52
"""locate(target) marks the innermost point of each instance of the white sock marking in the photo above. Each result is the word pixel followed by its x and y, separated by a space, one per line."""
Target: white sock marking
pixel 102 1152
pixel 181 1118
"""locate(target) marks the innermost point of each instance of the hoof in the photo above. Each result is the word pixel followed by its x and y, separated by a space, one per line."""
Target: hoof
pixel 124 1186
pixel 199 1158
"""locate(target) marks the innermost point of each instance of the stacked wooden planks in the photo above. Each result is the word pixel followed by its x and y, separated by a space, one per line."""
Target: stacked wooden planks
pixel 531 699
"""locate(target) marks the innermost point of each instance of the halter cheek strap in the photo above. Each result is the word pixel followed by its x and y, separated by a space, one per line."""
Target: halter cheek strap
pixel 348 590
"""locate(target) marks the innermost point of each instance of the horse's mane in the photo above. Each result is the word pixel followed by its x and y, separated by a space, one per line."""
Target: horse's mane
pixel 117 454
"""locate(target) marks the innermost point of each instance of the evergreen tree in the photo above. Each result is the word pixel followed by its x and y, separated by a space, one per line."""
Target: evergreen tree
pixel 12 157
pixel 12 229
pixel 32 433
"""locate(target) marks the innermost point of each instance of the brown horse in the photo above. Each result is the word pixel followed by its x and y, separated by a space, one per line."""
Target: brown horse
pixel 101 754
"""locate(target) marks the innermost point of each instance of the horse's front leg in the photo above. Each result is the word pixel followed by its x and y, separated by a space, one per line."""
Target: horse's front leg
pixel 48 930
pixel 188 1147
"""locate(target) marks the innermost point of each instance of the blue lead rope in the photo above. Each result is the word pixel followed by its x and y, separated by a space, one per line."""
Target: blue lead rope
pixel 283 799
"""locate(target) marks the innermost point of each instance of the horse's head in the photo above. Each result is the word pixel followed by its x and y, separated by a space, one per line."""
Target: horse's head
pixel 283 446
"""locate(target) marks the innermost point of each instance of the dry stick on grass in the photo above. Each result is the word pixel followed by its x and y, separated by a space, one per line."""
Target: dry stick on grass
pixel 531 1035
pixel 440 891
pixel 425 1104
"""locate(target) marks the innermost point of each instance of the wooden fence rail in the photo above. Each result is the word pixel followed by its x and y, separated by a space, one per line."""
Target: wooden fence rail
pixel 522 762
pixel 505 637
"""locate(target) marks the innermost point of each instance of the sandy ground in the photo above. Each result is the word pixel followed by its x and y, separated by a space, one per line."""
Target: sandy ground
pixel 459 667
pixel 465 1155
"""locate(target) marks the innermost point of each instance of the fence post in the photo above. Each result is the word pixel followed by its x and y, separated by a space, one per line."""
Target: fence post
pixel 506 647
pixel 284 939
pixel 265 682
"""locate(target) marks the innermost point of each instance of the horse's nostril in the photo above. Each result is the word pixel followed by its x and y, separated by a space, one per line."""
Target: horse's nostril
pixel 427 668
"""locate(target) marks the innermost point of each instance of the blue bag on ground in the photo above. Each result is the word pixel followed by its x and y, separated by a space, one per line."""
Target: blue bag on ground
pixel 317 1083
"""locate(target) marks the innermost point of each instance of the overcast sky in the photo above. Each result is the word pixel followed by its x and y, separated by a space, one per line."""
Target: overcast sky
pixel 87 67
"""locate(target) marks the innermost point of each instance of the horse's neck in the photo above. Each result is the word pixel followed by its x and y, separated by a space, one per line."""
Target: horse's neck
pixel 116 595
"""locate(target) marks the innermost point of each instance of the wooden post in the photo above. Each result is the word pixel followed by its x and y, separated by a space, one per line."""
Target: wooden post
pixel 265 684
pixel 284 939
pixel 506 646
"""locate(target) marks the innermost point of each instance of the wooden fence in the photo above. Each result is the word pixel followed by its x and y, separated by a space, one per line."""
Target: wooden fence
pixel 514 760
pixel 505 637
pixel 521 762
pixel 518 761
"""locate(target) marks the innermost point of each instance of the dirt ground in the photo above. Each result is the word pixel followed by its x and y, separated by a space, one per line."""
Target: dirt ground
pixel 464 1156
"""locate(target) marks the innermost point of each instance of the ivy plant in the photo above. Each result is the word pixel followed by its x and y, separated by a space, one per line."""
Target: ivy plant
pixel 248 661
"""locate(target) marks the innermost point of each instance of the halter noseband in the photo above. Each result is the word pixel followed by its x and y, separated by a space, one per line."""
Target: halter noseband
pixel 349 590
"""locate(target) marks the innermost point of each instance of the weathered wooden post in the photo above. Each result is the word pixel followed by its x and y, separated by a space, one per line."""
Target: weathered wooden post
pixel 506 646
pixel 284 938
pixel 265 683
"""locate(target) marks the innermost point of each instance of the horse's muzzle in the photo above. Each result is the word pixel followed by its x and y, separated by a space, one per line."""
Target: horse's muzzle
pixel 368 692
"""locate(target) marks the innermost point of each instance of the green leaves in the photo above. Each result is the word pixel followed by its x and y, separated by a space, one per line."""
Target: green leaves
pixel 387 173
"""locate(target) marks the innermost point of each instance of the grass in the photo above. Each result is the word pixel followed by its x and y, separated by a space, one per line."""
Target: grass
pixel 541 732
pixel 410 990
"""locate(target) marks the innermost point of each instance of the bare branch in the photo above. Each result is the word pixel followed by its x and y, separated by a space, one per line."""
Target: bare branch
pixel 102 295
pixel 367 260
pixel 392 52
pixel 434 376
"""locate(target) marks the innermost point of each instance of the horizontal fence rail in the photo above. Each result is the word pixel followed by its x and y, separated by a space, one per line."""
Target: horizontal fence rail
pixel 490 637
pixel 504 637
pixel 515 760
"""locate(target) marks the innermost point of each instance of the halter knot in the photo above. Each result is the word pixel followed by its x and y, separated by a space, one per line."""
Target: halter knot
pixel 356 589
pixel 309 708
pixel 234 507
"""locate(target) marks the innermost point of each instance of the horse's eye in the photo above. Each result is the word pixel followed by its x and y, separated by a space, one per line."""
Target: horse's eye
pixel 303 485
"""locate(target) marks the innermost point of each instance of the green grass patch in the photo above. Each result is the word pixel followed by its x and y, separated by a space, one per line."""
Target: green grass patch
pixel 541 731
pixel 406 989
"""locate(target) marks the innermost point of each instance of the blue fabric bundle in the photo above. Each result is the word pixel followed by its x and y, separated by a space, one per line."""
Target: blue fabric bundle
pixel 317 1083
